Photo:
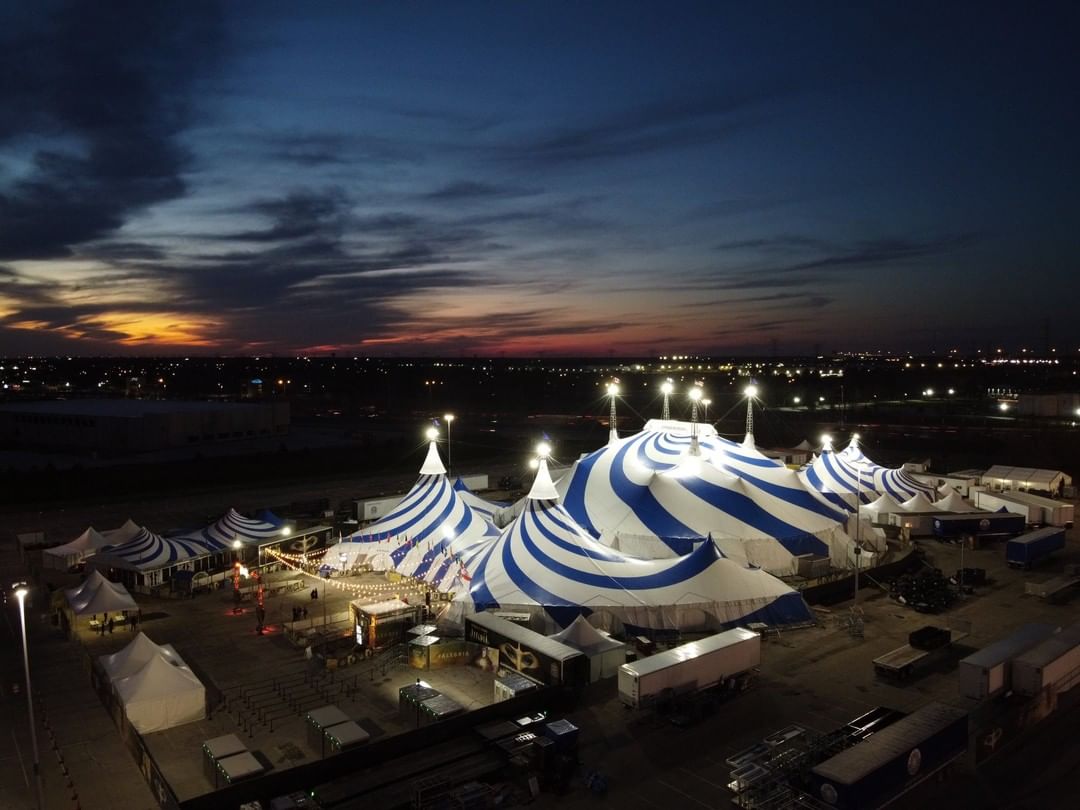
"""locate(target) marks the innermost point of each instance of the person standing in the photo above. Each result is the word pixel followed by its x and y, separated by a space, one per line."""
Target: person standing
pixel 111 623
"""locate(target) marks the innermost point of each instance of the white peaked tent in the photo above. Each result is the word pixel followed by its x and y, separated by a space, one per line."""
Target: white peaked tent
pixel 660 493
pixel 123 534
pixel 548 566
pixel 160 695
pixel 885 504
pixel 605 654
pixel 432 534
pixel 955 502
pixel 919 503
pixel 99 595
pixel 135 656
pixel 69 554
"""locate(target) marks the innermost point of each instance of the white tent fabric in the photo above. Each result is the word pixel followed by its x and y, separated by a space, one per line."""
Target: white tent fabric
pixel 432 534
pixel 919 503
pixel 99 595
pixel 69 554
pixel 233 526
pixel 605 654
pixel 484 507
pixel 147 551
pixel 955 502
pixel 897 482
pixel 650 495
pixel 1007 477
pixel 545 563
pixel 884 504
pixel 160 695
pixel 122 534
pixel 135 656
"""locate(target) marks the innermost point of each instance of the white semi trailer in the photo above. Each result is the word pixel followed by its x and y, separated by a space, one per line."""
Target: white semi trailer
pixel 690 667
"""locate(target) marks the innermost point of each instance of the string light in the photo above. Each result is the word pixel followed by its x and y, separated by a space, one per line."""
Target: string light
pixel 381 590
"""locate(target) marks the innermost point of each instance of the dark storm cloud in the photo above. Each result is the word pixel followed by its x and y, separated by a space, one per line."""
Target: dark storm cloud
pixel 709 116
pixel 301 214
pixel 114 82
pixel 877 252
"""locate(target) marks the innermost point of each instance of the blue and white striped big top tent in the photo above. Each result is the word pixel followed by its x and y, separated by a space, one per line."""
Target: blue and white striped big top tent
pixel 547 565
pixel 233 526
pixel 485 507
pixel 843 477
pixel 147 551
pixel 662 492
pixel 432 534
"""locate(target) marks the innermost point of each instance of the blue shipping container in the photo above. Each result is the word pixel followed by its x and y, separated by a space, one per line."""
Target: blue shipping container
pixel 980 523
pixel 1027 549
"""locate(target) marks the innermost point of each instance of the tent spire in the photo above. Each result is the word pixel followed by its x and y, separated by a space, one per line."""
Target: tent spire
pixel 432 464
pixel 751 392
pixel 613 392
pixel 543 488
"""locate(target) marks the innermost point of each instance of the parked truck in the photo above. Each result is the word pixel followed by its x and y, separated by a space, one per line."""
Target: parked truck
pixel 988 672
pixel 1028 549
pixel 1054 662
pixel 725 657
pixel 978 523
pixel 1036 508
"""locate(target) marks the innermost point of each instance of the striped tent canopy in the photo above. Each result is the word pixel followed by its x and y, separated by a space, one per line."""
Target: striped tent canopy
pixel 545 563
pixel 484 507
pixel 651 495
pixel 896 481
pixel 234 526
pixel 838 481
pixel 147 551
pixel 431 534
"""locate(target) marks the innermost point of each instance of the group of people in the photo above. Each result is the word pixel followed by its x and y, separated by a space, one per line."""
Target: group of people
pixel 108 623
pixel 299 613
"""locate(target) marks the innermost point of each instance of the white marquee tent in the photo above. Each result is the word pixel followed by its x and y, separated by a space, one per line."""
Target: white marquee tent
pixel 99 595
pixel 69 554
pixel 163 693
pixel 135 656
pixel 954 502
pixel 605 653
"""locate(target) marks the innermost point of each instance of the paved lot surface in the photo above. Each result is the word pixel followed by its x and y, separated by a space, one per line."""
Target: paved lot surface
pixel 820 678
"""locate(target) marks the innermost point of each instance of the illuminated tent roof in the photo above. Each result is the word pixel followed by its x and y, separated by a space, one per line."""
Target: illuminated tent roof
pixel 1026 477
pixel 77 550
pixel 99 595
pixel 122 534
pixel 919 503
pixel 649 495
pixel 135 656
pixel 162 694
pixel 896 482
pixel 234 526
pixel 147 551
pixel 954 502
pixel 544 562
pixel 885 503
pixel 431 534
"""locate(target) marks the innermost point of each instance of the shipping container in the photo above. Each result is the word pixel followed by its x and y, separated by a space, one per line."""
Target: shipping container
pixel 875 769
pixel 532 654
pixel 1048 664
pixel 1027 549
pixel 988 672
pixel 691 667
pixel 996 501
pixel 978 523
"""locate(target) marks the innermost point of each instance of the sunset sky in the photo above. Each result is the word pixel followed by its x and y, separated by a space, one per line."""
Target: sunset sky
pixel 520 177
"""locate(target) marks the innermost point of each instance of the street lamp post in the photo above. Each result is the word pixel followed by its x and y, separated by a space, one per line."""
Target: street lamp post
pixel 449 417
pixel 20 593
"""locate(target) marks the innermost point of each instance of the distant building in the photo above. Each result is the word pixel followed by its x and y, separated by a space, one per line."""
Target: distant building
pixel 1059 406
pixel 136 425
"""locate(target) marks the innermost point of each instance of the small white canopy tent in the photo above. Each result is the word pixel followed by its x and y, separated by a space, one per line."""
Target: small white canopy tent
pixel 135 656
pixel 69 554
pixel 99 595
pixel 885 504
pixel 161 695
pixel 605 653
pixel 1002 476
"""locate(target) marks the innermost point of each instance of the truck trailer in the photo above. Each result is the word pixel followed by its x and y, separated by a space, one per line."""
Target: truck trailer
pixel 689 668
pixel 979 523
pixel 996 501
pixel 1053 662
pixel 873 771
pixel 1028 549
pixel 988 672
pixel 1047 511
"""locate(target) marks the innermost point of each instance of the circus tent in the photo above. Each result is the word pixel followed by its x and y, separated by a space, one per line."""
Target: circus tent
pixel 897 482
pixel 233 526
pixel 432 534
pixel 663 491
pixel 483 507
pixel 547 565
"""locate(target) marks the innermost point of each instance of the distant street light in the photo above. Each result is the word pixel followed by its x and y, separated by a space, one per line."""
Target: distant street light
pixel 1003 406
pixel 20 593
pixel 449 417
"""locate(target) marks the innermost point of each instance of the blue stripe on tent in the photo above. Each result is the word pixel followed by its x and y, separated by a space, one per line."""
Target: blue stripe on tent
pixel 443 544
pixel 391 524
pixel 574 499
pixel 644 504
pixel 849 478
pixel 745 510
pixel 551 512
pixel 795 497
pixel 822 487
pixel 479 592
pixel 398 554
pixel 685 568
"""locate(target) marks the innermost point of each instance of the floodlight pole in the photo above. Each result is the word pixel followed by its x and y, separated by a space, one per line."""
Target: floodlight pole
pixel 39 788
pixel 858 531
